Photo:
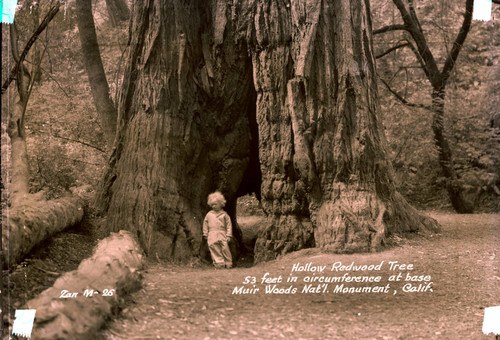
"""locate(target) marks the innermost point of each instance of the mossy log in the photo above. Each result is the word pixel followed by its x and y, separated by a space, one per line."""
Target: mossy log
pixel 34 220
pixel 112 270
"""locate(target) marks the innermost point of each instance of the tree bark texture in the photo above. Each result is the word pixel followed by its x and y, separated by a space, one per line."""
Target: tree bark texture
pixel 183 128
pixel 106 111
pixel 19 172
pixel 113 267
pixel 326 178
pixel 455 192
pixel 35 220
pixel 117 11
pixel 200 72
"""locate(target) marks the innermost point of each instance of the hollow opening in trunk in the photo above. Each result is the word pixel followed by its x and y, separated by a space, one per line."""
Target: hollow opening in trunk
pixel 250 217
pixel 248 209
pixel 252 179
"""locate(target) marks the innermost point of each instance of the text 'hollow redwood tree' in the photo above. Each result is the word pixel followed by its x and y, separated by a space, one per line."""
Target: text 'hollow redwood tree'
pixel 207 80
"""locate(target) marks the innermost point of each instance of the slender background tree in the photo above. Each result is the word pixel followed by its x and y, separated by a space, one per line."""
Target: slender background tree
pixel 106 110
pixel 417 42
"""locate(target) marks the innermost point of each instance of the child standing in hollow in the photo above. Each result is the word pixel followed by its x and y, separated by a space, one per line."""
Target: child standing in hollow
pixel 218 230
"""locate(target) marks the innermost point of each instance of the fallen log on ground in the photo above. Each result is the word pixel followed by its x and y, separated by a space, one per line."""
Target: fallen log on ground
pixel 34 220
pixel 64 311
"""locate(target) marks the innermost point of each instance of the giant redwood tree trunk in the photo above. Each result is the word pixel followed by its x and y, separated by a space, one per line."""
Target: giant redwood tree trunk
pixel 183 129
pixel 201 74
pixel 326 178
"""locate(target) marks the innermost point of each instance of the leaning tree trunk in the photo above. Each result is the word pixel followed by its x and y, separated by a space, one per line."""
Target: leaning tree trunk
pixel 188 106
pixel 106 111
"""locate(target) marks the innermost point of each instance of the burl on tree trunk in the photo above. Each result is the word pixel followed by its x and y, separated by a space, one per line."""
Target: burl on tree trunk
pixel 201 74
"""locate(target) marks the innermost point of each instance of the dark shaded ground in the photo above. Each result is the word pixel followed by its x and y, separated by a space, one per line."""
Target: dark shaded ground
pixel 197 303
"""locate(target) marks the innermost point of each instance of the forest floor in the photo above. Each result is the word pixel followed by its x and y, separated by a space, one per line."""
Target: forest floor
pixel 198 303
pixel 61 253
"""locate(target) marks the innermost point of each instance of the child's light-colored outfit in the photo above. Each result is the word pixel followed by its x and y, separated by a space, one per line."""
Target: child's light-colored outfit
pixel 217 228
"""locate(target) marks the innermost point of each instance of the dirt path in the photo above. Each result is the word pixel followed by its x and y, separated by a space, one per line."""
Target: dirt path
pixel 197 303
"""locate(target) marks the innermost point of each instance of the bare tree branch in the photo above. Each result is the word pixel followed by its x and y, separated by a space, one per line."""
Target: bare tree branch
pixel 21 70
pixel 48 18
pixel 45 270
pixel 84 162
pixel 457 44
pixel 425 53
pixel 413 14
pixel 25 104
pixel 13 40
pixel 389 28
pixel 55 135
pixel 55 81
pixel 402 99
pixel 419 59
pixel 400 68
pixel 402 147
pixel 79 141
pixel 392 49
